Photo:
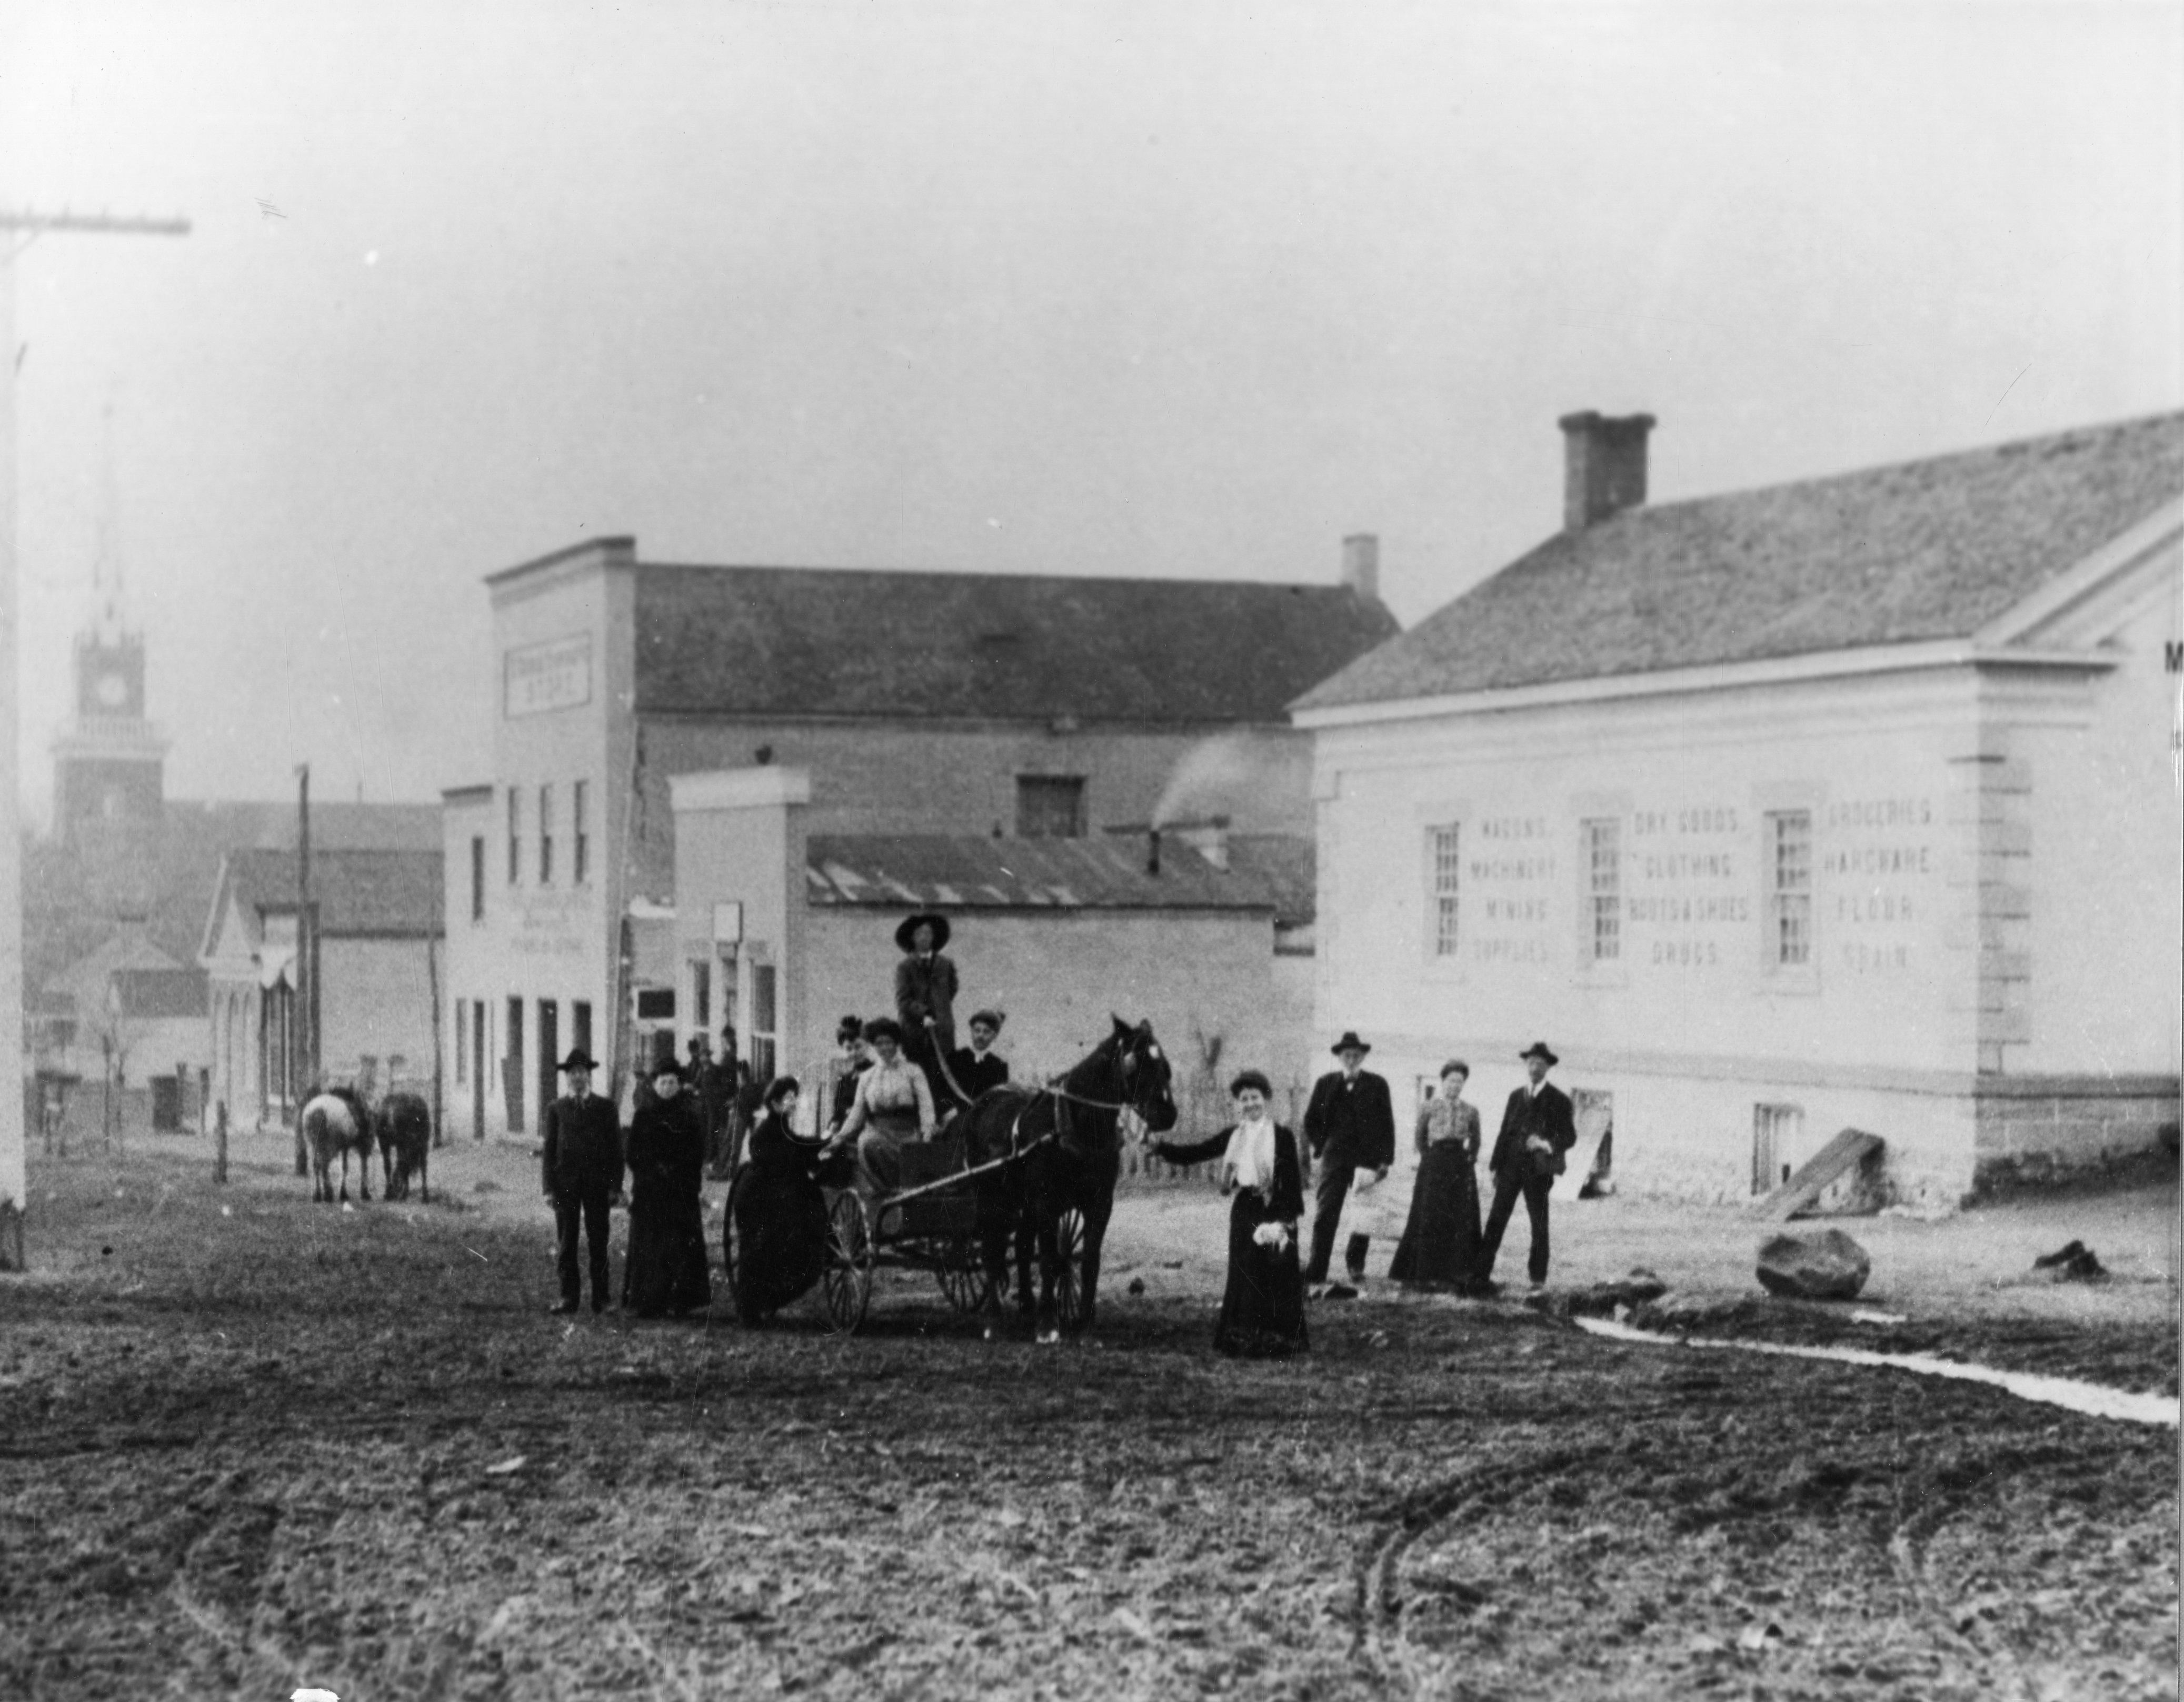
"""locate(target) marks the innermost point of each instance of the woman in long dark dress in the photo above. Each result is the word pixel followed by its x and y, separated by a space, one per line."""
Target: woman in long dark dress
pixel 665 1269
pixel 1440 1240
pixel 781 1209
pixel 1262 1307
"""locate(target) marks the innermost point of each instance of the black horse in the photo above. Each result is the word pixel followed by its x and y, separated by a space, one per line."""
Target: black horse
pixel 1066 1153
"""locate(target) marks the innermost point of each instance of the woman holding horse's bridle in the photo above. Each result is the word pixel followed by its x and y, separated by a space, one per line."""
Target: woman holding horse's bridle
pixel 1262 1307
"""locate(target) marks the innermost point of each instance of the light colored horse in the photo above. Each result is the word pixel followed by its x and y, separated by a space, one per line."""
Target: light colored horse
pixel 334 1121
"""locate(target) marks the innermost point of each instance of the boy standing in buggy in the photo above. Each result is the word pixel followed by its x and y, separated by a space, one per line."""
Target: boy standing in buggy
pixel 1538 1126
pixel 925 995
pixel 1349 1125
pixel 977 1067
pixel 582 1174
pixel 1262 1306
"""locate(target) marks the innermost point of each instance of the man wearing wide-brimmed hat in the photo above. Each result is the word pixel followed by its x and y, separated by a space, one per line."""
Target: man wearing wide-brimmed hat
pixel 1538 1126
pixel 925 996
pixel 581 1170
pixel 1349 1125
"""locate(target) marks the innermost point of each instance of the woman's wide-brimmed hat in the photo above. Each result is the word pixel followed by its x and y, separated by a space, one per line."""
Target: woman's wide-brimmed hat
pixel 933 919
pixel 1250 1077
pixel 1349 1042
pixel 883 1027
pixel 992 1018
pixel 1539 1048
pixel 578 1058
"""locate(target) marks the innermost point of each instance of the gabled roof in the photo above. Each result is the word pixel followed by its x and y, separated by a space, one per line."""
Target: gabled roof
pixel 1930 549
pixel 358 893
pixel 971 871
pixel 813 642
pixel 148 994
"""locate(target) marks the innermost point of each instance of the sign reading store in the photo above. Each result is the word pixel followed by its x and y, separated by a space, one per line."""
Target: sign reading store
pixel 556 674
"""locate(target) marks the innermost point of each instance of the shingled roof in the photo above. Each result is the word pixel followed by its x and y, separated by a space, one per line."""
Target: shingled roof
pixel 972 872
pixel 1930 549
pixel 384 893
pixel 823 642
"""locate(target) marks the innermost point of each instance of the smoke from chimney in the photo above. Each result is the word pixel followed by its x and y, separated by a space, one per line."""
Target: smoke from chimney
pixel 1361 564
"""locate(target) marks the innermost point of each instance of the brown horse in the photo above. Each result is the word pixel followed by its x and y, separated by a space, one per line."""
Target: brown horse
pixel 334 1121
pixel 403 1127
pixel 1066 1154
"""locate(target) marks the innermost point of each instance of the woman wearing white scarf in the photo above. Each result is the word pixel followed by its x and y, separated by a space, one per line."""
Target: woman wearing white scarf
pixel 1263 1309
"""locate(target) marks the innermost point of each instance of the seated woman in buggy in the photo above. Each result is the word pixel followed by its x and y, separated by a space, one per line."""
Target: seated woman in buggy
pixel 780 1208
pixel 892 1104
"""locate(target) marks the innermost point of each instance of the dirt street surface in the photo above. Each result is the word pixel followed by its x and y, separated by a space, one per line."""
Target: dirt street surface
pixel 247 1444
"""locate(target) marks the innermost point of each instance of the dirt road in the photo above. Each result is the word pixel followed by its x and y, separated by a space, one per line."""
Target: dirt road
pixel 260 1444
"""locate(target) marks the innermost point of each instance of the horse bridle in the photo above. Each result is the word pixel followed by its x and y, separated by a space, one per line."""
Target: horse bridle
pixel 1125 1065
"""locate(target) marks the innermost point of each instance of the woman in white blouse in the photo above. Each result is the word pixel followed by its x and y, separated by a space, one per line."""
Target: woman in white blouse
pixel 892 1105
pixel 1263 1309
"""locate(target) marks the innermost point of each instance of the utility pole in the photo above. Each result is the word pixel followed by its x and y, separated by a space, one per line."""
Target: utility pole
pixel 304 1032
pixel 13 1113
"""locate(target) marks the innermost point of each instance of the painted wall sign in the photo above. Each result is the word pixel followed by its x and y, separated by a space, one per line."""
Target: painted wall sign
pixel 537 678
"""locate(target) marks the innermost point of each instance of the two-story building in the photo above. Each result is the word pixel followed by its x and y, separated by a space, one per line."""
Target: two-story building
pixel 1850 802
pixel 914 703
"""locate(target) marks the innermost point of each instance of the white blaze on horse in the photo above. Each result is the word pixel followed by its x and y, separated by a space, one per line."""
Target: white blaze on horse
pixel 334 1123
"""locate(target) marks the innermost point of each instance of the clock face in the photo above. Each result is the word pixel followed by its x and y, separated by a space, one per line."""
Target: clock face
pixel 112 691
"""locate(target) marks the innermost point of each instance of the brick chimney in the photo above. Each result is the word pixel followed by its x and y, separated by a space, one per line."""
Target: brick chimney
pixel 1604 466
pixel 1361 565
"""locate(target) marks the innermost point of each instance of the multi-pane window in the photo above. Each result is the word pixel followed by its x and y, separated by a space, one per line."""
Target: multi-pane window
pixel 545 836
pixel 462 1042
pixel 764 1025
pixel 1049 806
pixel 580 1019
pixel 580 831
pixel 1789 888
pixel 1602 852
pixel 478 877
pixel 1447 869
pixel 1777 1131
pixel 514 835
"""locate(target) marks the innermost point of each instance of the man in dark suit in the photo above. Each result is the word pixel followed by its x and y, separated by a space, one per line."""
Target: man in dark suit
pixel 1538 1128
pixel 1349 1125
pixel 977 1067
pixel 582 1174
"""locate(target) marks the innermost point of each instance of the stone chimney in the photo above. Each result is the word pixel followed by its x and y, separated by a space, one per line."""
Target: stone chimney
pixel 1604 466
pixel 1361 565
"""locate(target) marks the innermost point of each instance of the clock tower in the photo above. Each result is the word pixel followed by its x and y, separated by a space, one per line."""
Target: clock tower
pixel 110 761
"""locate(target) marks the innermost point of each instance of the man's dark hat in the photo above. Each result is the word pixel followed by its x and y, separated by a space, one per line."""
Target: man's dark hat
pixel 933 918
pixel 1349 1042
pixel 578 1058
pixel 992 1018
pixel 1539 1048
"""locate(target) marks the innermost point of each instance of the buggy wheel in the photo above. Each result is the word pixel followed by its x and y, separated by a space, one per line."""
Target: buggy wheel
pixel 1069 1286
pixel 962 1276
pixel 846 1281
pixel 732 1239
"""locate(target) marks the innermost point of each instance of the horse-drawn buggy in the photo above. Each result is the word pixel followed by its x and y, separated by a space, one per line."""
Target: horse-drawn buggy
pixel 1028 1169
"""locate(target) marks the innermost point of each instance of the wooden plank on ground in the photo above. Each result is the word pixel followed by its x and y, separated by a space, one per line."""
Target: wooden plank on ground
pixel 1850 1149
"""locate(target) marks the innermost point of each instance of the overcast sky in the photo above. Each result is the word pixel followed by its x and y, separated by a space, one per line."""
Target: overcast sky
pixel 1158 289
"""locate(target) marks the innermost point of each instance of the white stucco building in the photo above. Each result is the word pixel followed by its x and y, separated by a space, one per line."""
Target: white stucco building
pixel 1845 803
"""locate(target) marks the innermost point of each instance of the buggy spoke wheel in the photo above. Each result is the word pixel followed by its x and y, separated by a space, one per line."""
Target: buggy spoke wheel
pixel 1069 1286
pixel 962 1276
pixel 846 1282
pixel 732 1238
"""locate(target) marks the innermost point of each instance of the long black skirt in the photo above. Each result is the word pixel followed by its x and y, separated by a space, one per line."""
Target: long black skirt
pixel 781 1221
pixel 666 1268
pixel 1439 1247
pixel 1263 1309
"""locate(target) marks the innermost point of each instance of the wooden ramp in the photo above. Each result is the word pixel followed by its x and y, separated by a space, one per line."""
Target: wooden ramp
pixel 1848 1150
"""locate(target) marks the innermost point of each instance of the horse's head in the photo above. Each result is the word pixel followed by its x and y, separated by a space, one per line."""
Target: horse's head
pixel 1143 1068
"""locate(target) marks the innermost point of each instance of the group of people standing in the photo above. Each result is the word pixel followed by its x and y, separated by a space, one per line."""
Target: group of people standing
pixel 1350 1141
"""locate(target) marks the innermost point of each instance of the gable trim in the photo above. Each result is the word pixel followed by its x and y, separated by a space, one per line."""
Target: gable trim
pixel 2079 585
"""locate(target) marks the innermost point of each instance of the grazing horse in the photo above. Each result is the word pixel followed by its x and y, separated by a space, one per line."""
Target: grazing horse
pixel 403 1127
pixel 1066 1154
pixel 334 1121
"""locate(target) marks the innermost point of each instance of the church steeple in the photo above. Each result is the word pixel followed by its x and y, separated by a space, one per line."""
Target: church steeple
pixel 110 761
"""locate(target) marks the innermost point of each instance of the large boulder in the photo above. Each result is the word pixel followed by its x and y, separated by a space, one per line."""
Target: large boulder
pixel 1826 1266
